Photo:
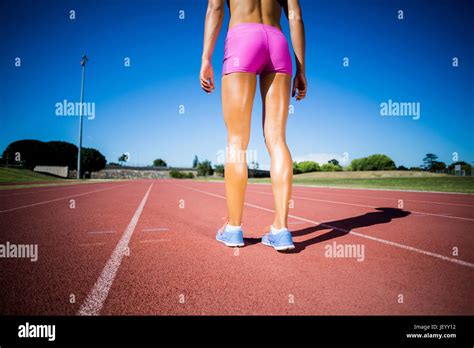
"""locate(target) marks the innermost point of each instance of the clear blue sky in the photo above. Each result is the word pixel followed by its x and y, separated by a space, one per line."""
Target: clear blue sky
pixel 137 108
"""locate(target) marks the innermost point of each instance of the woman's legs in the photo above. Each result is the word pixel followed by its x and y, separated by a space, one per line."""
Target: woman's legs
pixel 238 92
pixel 275 90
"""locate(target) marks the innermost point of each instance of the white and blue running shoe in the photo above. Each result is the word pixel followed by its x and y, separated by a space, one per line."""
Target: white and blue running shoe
pixel 280 240
pixel 232 238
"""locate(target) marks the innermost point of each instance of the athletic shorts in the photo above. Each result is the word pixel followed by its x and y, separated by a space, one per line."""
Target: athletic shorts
pixel 256 48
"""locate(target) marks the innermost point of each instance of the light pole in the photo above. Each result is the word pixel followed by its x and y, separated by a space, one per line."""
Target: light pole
pixel 83 64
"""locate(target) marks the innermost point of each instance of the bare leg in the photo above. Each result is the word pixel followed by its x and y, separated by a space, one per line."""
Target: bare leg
pixel 238 92
pixel 275 90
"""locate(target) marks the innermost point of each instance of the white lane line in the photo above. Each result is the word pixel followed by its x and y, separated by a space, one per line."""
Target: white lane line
pixel 388 199
pixel 387 242
pixel 154 229
pixel 448 216
pixel 59 199
pixel 470 196
pixel 407 247
pixel 97 296
pixel 101 232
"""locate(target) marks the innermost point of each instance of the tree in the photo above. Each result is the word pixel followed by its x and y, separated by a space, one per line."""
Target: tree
pixel 254 165
pixel 309 166
pixel 92 160
pixel 195 161
pixel 219 169
pixel 29 153
pixel 64 154
pixel 373 162
pixel 438 165
pixel 204 168
pixel 334 161
pixel 159 163
pixel 123 158
pixel 464 166
pixel 429 160
pixel 180 175
pixel 462 163
pixel 330 167
pixel 296 168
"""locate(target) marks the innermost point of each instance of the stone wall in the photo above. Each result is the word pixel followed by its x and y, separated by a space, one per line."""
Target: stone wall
pixel 147 173
pixel 134 174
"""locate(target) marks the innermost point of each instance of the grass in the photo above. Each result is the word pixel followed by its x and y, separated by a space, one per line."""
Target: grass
pixel 391 180
pixel 14 175
pixel 440 184
pixel 370 174
pixel 25 178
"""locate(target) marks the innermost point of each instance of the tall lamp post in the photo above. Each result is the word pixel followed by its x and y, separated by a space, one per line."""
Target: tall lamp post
pixel 83 64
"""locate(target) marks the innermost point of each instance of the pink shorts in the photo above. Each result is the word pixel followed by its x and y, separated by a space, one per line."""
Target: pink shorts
pixel 256 48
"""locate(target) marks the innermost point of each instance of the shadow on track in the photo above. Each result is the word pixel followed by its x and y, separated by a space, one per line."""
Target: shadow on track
pixel 340 228
pixel 344 226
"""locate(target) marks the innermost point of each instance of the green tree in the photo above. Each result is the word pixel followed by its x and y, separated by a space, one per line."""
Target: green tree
pixel 296 168
pixel 29 153
pixel 373 162
pixel 438 165
pixel 330 167
pixel 180 175
pixel 334 161
pixel 92 160
pixel 429 160
pixel 64 154
pixel 123 158
pixel 159 163
pixel 195 161
pixel 308 166
pixel 219 169
pixel 204 168
pixel 464 166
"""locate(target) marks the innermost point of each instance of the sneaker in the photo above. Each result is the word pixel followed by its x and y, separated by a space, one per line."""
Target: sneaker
pixel 230 238
pixel 279 241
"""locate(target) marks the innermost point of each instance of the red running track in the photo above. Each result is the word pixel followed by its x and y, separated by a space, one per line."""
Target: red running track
pixel 148 247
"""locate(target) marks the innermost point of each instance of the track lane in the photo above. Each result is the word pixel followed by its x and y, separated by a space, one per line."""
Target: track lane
pixel 173 253
pixel 215 281
pixel 70 258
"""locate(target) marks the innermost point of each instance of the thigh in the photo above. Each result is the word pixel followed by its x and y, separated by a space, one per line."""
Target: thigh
pixel 238 92
pixel 275 91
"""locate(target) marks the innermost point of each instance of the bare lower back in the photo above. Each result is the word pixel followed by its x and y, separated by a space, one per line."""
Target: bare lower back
pixel 256 11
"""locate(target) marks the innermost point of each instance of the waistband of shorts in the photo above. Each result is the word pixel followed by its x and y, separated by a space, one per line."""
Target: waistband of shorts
pixel 249 26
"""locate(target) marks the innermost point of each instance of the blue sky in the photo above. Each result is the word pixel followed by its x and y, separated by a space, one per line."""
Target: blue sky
pixel 138 107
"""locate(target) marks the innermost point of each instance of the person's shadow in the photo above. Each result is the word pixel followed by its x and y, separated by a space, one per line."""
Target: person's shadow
pixel 339 228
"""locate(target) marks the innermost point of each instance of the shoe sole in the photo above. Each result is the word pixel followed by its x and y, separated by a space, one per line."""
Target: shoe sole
pixel 280 248
pixel 231 245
